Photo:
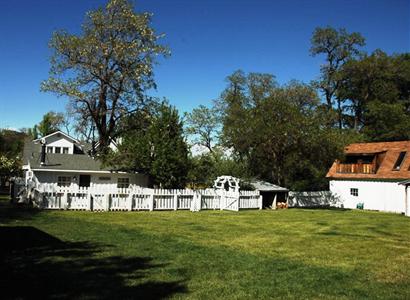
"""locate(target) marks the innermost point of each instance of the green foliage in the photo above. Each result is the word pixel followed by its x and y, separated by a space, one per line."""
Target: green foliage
pixel 50 123
pixel 203 124
pixel 33 132
pixel 376 90
pixel 205 168
pixel 11 150
pixel 11 143
pixel 202 171
pixel 386 122
pixel 280 131
pixel 106 70
pixel 152 142
pixel 9 166
pixel 169 166
pixel 338 46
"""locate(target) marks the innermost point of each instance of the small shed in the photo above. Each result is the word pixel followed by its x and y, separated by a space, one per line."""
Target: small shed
pixel 273 196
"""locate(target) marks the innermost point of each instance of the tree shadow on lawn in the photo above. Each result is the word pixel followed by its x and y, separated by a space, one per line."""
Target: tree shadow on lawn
pixel 11 211
pixel 34 264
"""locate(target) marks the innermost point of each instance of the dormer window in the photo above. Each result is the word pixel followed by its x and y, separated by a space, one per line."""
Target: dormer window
pixel 399 161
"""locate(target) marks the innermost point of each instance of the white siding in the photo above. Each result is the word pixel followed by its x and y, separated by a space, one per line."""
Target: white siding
pixel 51 177
pixel 376 195
pixel 60 141
pixel 407 206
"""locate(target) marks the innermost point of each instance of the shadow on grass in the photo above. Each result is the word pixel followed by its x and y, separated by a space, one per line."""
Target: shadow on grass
pixel 11 211
pixel 36 265
pixel 321 208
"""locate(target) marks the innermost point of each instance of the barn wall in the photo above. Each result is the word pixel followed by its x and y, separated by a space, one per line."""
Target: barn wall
pixel 376 195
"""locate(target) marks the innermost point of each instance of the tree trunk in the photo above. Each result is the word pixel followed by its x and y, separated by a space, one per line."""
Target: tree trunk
pixel 339 113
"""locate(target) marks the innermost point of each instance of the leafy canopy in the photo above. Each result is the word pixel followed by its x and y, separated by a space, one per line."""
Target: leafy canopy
pixel 106 70
pixel 153 143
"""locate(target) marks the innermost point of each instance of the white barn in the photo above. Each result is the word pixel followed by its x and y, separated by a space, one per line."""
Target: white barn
pixel 371 175
pixel 60 158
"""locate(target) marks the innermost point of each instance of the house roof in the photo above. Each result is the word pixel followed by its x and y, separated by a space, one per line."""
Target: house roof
pixel 59 162
pixel 265 186
pixel 58 132
pixel 388 153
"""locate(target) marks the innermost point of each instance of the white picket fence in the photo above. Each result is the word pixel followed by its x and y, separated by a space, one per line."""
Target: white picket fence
pixel 109 198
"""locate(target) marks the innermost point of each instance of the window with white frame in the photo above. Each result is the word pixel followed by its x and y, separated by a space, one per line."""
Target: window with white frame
pixel 57 149
pixel 63 180
pixel 123 183
pixel 65 150
pixel 354 192
pixel 49 149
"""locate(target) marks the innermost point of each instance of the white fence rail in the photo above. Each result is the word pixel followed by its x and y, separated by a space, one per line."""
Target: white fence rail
pixel 108 198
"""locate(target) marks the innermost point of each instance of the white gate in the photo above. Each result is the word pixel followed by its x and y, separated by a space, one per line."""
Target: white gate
pixel 228 189
pixel 230 200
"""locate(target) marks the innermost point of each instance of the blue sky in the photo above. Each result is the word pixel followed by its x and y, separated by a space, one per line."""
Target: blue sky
pixel 208 39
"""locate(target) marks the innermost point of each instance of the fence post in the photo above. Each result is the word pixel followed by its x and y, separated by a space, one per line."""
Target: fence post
pixel 89 199
pixel 176 200
pixel 151 201
pixel 260 202
pixel 199 201
pixel 130 198
pixel 64 201
pixel 107 202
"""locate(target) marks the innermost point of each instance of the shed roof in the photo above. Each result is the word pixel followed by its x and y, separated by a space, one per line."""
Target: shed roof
pixel 265 186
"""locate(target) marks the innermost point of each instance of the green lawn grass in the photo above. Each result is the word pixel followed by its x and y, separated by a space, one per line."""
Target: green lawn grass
pixel 295 253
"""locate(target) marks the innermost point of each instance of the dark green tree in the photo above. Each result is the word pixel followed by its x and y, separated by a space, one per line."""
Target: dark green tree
pixel 386 122
pixel 376 87
pixel 11 150
pixel 169 166
pixel 281 134
pixel 152 142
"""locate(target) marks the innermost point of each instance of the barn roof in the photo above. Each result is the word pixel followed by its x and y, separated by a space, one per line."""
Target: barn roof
pixel 386 153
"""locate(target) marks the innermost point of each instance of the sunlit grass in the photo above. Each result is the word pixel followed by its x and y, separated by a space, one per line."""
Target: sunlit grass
pixel 291 253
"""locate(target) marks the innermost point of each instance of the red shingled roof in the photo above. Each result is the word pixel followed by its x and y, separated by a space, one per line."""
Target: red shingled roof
pixel 388 153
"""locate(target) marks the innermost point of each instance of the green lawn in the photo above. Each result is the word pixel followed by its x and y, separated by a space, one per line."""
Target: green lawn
pixel 295 253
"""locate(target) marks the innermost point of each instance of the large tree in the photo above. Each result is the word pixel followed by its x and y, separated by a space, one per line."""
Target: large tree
pixel 338 46
pixel 280 132
pixel 107 69
pixel 202 124
pixel 386 122
pixel 152 142
pixel 376 80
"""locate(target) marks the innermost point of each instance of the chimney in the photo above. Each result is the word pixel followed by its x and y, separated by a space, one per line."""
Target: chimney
pixel 43 154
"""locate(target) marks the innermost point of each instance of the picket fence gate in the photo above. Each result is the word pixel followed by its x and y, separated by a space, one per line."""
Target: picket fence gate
pixel 134 198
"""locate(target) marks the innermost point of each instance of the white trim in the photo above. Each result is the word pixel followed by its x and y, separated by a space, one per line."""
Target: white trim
pixel 83 171
pixel 58 131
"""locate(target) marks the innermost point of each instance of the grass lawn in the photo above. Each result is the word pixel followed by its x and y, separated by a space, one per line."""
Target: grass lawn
pixel 295 253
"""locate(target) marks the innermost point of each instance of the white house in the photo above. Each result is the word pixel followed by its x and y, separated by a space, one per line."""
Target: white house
pixel 371 176
pixel 60 158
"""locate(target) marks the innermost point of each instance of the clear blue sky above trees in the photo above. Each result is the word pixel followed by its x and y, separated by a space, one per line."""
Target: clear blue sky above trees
pixel 208 39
